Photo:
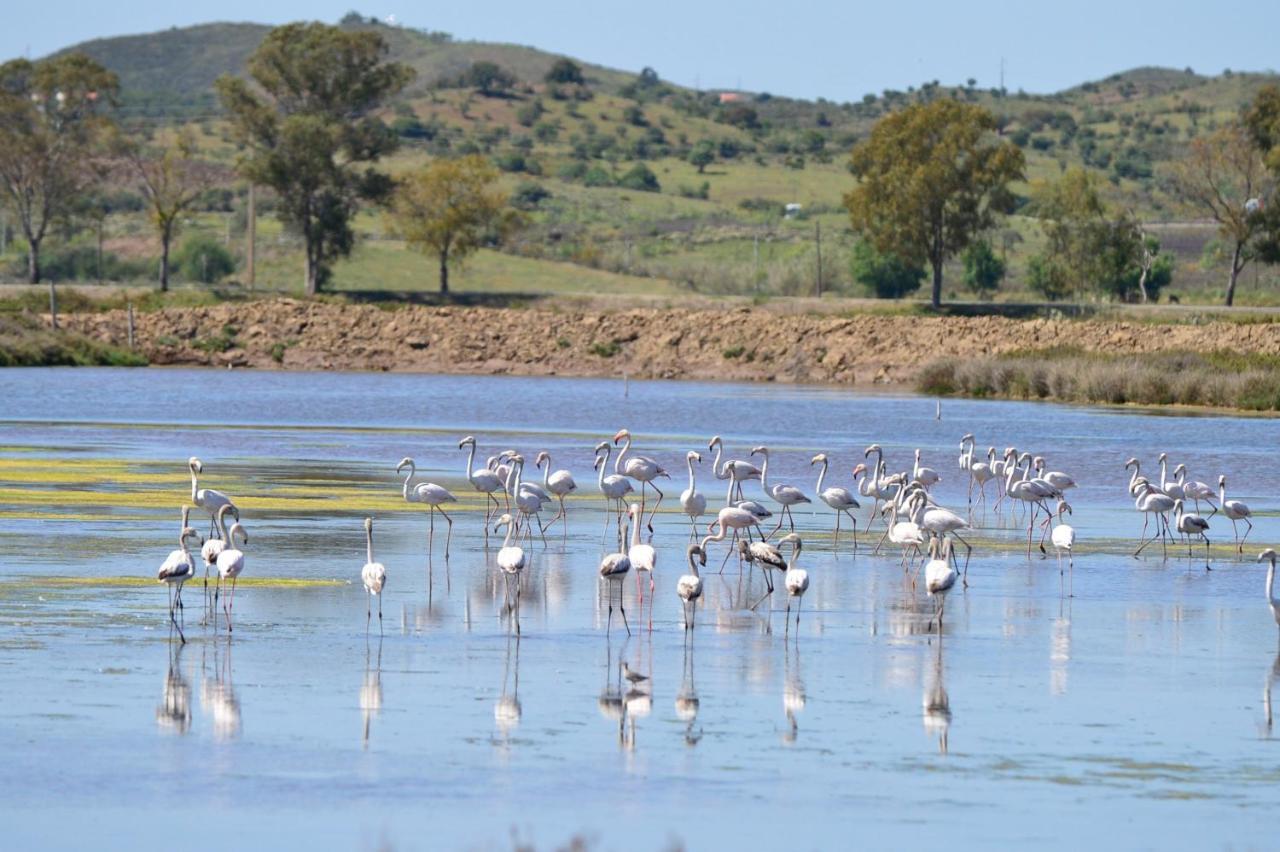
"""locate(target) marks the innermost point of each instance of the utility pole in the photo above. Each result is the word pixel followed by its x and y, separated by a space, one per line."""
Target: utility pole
pixel 251 228
pixel 817 231
pixel 755 247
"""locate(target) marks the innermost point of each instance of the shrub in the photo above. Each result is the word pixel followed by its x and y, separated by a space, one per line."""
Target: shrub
pixel 606 349
pixel 204 259
pixel 640 178
pixel 529 195
pixel 597 176
pixel 884 276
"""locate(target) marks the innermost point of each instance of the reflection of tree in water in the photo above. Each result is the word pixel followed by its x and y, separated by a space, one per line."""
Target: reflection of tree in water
pixel 936 702
pixel 174 712
pixel 218 696
pixel 687 704
pixel 371 690
pixel 794 697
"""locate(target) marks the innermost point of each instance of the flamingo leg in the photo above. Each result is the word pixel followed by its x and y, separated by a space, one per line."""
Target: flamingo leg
pixel 1249 525
pixel 835 541
pixel 1146 519
pixel 623 610
pixel 853 521
pixel 449 536
pixel 656 504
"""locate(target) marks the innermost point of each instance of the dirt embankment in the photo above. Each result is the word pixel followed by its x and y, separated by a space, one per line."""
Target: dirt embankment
pixel 733 343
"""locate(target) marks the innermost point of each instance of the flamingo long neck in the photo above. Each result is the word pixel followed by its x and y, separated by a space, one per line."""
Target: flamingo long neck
pixel 1222 493
pixel 689 462
pixel 368 543
pixel 1137 466
pixel 915 467
pixel 603 466
pixel 1271 582
pixel 716 468
pixel 471 459
pixel 1164 480
pixel 693 564
pixel 506 541
pixel 517 469
pixel 1011 470
pixel 635 530
pixel 221 522
pixel 764 474
pixel 821 475
pixel 194 484
pixel 408 477
pixel 617 463
pixel 733 480
pixel 1026 474
pixel 546 475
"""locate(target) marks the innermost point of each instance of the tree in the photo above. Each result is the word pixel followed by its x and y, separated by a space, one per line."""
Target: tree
pixel 488 78
pixel 450 209
pixel 565 72
pixel 170 179
pixel 983 269
pixel 884 276
pixel 1262 118
pixel 640 178
pixel 1219 174
pixel 308 121
pixel 931 177
pixel 702 155
pixel 53 126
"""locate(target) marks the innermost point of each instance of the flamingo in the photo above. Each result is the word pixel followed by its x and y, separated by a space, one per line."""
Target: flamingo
pixel 643 558
pixel 941 523
pixel 430 494
pixel 732 468
pixel 1064 538
pixel 979 472
pixel 559 484
pixel 796 579
pixel 613 570
pixel 206 498
pixel 1269 555
pixel 926 476
pixel 482 479
pixel 906 534
pixel 614 487
pixel 1172 487
pixel 1197 491
pixel 689 586
pixel 374 577
pixel 209 553
pixel 511 563
pixel 230 565
pixel 640 468
pixel 1235 511
pixel 1056 478
pixel 768 557
pixel 730 517
pixel 529 498
pixel 784 495
pixel 1151 501
pixel 939 575
pixel 177 568
pixel 692 502
pixel 877 485
pixel 1189 524
pixel 841 500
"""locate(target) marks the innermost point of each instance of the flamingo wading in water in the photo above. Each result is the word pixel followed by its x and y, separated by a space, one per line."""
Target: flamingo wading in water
pixel 784 495
pixel 640 468
pixel 177 569
pixel 840 499
pixel 432 496
pixel 206 498
pixel 692 501
pixel 373 575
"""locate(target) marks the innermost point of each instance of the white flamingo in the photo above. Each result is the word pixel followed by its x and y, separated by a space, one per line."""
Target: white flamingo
pixel 1064 538
pixel 613 570
pixel 528 499
pixel 614 487
pixel 559 485
pixel 1197 491
pixel 1189 524
pixel 796 579
pixel 733 469
pixel 841 500
pixel 511 564
pixel 689 586
pixel 939 575
pixel 942 523
pixel 692 501
pixel 177 568
pixel 1149 500
pixel 206 498
pixel 1056 478
pixel 230 566
pixel 926 476
pixel 643 558
pixel 784 495
pixel 729 518
pixel 432 496
pixel 1273 601
pixel 482 479
pixel 640 468
pixel 1172 487
pixel 878 486
pixel 373 575
pixel 209 553
pixel 1235 511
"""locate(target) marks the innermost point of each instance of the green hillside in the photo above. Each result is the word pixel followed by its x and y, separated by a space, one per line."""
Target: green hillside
pixel 577 157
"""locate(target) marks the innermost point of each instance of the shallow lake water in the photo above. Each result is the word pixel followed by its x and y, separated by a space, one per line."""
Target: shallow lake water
pixel 1134 713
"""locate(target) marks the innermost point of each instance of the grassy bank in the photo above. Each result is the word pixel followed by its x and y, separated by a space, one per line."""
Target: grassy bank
pixel 26 342
pixel 1214 379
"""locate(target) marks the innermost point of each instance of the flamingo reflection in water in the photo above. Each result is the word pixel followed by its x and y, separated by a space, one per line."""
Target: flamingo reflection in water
pixel 936 703
pixel 371 691
pixel 218 697
pixel 507 710
pixel 794 697
pixel 173 715
pixel 687 703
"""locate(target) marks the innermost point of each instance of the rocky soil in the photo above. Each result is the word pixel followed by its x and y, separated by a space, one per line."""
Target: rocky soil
pixel 732 343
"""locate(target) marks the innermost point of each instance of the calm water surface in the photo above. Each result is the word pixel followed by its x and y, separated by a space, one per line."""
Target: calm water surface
pixel 1135 714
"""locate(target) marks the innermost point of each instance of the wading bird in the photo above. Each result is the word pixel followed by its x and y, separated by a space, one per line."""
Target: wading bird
pixel 689 586
pixel 1064 538
pixel 614 487
pixel 729 518
pixel 1269 555
pixel 511 564
pixel 613 570
pixel 768 557
pixel 736 470
pixel 177 569
pixel 643 559
pixel 796 579
pixel 939 574
pixel 431 495
pixel 784 495
pixel 482 479
pixel 230 565
pixel 559 485
pixel 692 502
pixel 841 500
pixel 1150 501
pixel 1235 511
pixel 373 575
pixel 206 498
pixel 1189 524
pixel 640 468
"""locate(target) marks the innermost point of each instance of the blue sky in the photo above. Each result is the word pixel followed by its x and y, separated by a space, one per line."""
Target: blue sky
pixel 806 48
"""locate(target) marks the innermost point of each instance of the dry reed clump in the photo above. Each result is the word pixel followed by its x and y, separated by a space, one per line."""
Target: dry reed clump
pixel 1223 380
